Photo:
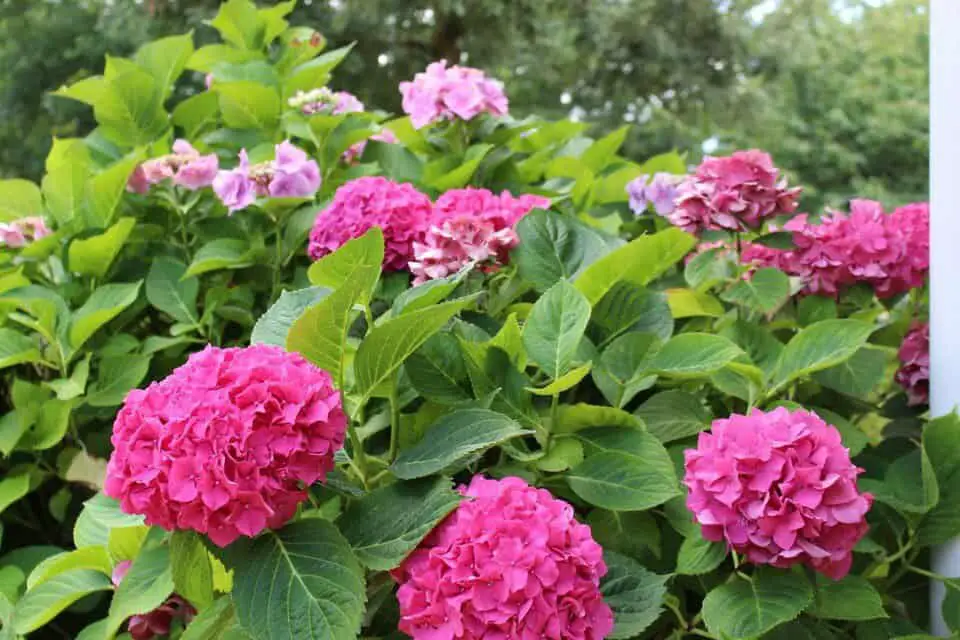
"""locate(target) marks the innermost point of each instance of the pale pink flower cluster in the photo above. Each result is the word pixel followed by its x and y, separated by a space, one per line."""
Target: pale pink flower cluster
pixel 156 623
pixel 21 232
pixel 510 563
pixel 448 93
pixel 734 193
pixel 891 253
pixel 291 174
pixel 401 212
pixel 780 488
pixel 661 191
pixel 914 372
pixel 186 167
pixel 470 226
pixel 227 444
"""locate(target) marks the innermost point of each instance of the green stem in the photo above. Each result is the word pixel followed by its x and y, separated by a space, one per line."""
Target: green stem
pixel 929 574
pixel 277 268
pixel 358 457
pixel 394 417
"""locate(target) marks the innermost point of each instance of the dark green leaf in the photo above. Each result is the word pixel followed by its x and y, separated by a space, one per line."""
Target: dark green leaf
pixel 554 247
pixel 749 608
pixel 634 593
pixel 674 415
pixel 170 292
pixel 555 327
pixel 852 598
pixel 693 355
pixel 273 327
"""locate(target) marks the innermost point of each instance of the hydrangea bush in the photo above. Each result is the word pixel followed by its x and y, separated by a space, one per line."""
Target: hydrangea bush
pixel 280 366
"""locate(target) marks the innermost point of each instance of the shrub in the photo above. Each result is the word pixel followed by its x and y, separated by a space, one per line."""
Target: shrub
pixel 501 364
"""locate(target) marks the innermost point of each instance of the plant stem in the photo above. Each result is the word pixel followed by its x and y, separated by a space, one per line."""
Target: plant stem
pixel 394 417
pixel 277 268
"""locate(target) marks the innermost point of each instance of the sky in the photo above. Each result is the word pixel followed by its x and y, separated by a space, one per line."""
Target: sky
pixel 846 9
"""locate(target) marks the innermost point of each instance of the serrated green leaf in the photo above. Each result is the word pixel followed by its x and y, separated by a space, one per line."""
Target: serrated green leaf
pixel 42 604
pixel 674 415
pixel 273 327
pixel 223 253
pixel 554 247
pixel 169 291
pixel 698 556
pixel 93 256
pixel 555 327
pixel 749 608
pixel 765 290
pixel 693 355
pixel 820 346
pixel 146 586
pixel 852 598
pixel 103 305
pixel 634 593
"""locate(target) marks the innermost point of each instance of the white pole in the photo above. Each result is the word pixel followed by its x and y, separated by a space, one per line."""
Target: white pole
pixel 945 258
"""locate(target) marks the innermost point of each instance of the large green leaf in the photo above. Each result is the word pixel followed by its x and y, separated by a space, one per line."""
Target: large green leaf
pixel 302 582
pixel 388 345
pixel 273 327
pixel 620 374
pixel 603 151
pixel 454 439
pixel 693 355
pixel 320 333
pixel 50 426
pixel 765 290
pixel 358 257
pixel 387 524
pixel 165 59
pixel 16 348
pixel 101 307
pixel 14 486
pixel 625 470
pixel 438 372
pixel 630 307
pixel 634 593
pixel 42 604
pixel 941 442
pixel 852 598
pixel 146 586
pixel 190 569
pixel 860 375
pixel 116 377
pixel 674 415
pixel 554 247
pixel 638 262
pixel 820 346
pixel 749 608
pixel 223 253
pixel 93 256
pixel 169 291
pixel 216 622
pixel 248 105
pixel 94 558
pixel 315 73
pixel 19 199
pixel 698 556
pixel 555 327
pixel 105 190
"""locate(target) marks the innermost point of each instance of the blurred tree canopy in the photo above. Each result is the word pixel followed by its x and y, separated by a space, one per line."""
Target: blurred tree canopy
pixel 836 90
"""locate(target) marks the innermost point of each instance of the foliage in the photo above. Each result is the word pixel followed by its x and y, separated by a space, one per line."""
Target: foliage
pixel 585 366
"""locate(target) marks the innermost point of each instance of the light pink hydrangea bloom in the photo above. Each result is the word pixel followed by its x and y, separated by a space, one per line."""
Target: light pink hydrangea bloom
pixel 401 212
pixel 470 226
pixel 186 167
pixel 22 232
pixel 291 174
pixel 513 562
pixel 227 444
pixel 914 372
pixel 234 188
pixel 324 100
pixel 780 488
pixel 295 175
pixel 448 93
pixel 660 191
pixel 735 193
pixel 152 624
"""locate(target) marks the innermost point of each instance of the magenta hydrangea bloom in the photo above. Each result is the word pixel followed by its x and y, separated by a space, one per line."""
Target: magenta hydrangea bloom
pixel 513 562
pixel 153 624
pixel 470 226
pixel 735 193
pixel 914 372
pixel 186 167
pixel 448 93
pixel 22 232
pixel 660 191
pixel 401 211
pixel 780 488
pixel 227 444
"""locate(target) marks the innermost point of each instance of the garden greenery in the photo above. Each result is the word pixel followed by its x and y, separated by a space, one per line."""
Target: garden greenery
pixel 448 375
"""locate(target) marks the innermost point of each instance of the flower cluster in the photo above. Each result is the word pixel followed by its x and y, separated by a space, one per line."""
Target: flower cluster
pixel 470 226
pixel 510 563
pixel 660 191
pixel 735 193
pixel 186 167
pixel 335 103
pixel 399 210
pixel 152 624
pixel 891 253
pixel 780 488
pixel 447 93
pixel 291 174
pixel 227 444
pixel 914 372
pixel 21 232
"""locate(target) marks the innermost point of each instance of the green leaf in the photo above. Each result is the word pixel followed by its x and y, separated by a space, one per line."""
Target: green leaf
pixel 629 307
pixel 603 151
pixel 427 294
pixel 620 375
pixel 117 376
pixel 860 375
pixel 239 23
pixel 94 558
pixel 459 176
pixel 763 291
pixel 575 417
pixel 554 247
pixel 216 622
pixel 698 556
pixel 693 355
pixel 170 292
pixel 207 57
pixel 146 586
pixel 554 328
pixel 687 303
pixel 273 327
pixel 634 593
pixel 638 262
pixel 708 269
pixel 105 191
pixel 195 114
pixel 315 73
pixel 776 240
pixel 359 256
pixel 19 199
pixel 909 486
pixel 852 598
pixel 388 345
pixel 387 524
pixel 223 253
pixel 396 161
pixel 300 582
pixel 811 309
pixel 165 59
pixel 941 442
pixel 50 426
pixel 820 346
pixel 103 305
pixel 632 533
pixel 124 543
pixel 564 453
pixel 455 438
pixel 14 486
pixel 674 415
pixel 16 348
pixel 437 370
pixel 75 385
pixel 320 333
pixel 42 604
pixel 625 470
pixel 248 105
pixel 93 256
pixel 65 183
pixel 749 608
pixel 565 382
pixel 191 570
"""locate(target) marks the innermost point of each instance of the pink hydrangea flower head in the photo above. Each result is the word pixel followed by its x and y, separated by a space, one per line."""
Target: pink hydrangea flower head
pixel 735 193
pixel 146 626
pixel 234 187
pixel 23 231
pixel 227 444
pixel 185 166
pixel 512 562
pixel 448 93
pixel 323 100
pixel 780 488
pixel 914 372
pixel 660 191
pixel 401 211
pixel 295 175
